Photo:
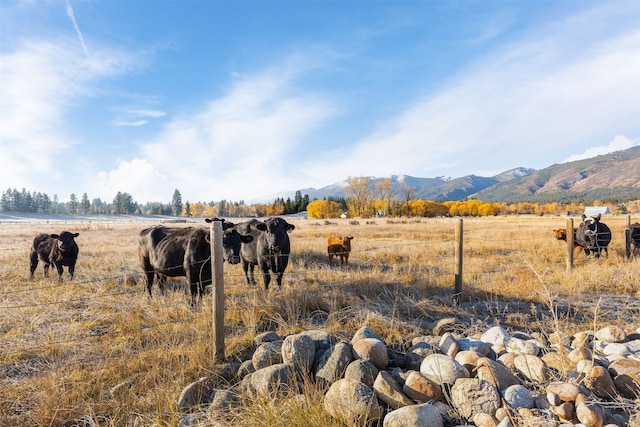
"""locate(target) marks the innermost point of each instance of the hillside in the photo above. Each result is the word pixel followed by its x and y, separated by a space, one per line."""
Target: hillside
pixel 614 176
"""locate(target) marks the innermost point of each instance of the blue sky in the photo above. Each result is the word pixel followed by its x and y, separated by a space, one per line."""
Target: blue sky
pixel 238 100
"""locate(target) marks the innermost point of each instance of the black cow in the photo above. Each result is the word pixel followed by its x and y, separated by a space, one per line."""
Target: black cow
pixel 269 249
pixel 175 252
pixel 593 235
pixel 634 236
pixel 57 249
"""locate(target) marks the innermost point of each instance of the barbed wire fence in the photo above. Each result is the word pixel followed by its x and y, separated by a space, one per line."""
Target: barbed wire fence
pixel 11 306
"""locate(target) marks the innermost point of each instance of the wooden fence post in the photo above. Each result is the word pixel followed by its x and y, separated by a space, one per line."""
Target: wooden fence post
pixel 457 293
pixel 627 236
pixel 217 277
pixel 570 245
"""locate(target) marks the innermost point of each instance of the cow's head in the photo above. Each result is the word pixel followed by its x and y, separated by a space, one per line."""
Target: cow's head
pixel 231 242
pixel 346 243
pixel 65 241
pixel 225 224
pixel 588 229
pixel 275 230
pixel 561 233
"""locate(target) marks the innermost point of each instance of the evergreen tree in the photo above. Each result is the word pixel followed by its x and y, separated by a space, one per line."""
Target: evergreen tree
pixel 73 204
pixel 84 204
pixel 176 203
pixel 123 204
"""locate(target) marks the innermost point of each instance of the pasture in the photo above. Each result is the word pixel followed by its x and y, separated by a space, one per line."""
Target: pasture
pixel 95 351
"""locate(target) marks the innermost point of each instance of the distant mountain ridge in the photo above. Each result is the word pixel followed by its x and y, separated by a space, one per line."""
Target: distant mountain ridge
pixel 614 175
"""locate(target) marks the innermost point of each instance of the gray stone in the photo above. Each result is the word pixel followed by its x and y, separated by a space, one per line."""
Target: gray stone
pixel 224 400
pixel 448 344
pixel 197 393
pixel 273 380
pixel 518 396
pixel 352 403
pixel 299 352
pixel 470 396
pixel 442 369
pixel 470 344
pixel 416 354
pixel 424 415
pixel 532 367
pixel 333 363
pixel 495 335
pixel 365 332
pixel 361 371
pixel 389 391
pixel 264 337
pixel 495 373
pixel 268 353
pixel 611 334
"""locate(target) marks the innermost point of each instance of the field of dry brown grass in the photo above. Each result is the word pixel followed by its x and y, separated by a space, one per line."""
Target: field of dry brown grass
pixel 95 351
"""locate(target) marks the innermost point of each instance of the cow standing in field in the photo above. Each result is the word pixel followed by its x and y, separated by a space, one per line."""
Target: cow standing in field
pixel 269 249
pixel 561 234
pixel 593 235
pixel 174 252
pixel 339 247
pixel 57 249
pixel 634 237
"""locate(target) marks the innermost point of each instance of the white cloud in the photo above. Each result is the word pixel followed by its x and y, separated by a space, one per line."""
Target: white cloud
pixel 72 16
pixel 136 177
pixel 237 147
pixel 620 142
pixel 41 79
pixel 524 105
pixel 134 123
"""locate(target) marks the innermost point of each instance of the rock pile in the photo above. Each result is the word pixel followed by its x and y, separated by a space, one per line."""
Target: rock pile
pixel 494 379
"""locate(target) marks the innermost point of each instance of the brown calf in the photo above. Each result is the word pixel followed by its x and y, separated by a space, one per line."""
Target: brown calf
pixel 339 247
pixel 561 234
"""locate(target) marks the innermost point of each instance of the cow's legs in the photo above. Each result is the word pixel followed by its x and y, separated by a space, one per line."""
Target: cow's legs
pixel 72 269
pixel 248 272
pixel 46 268
pixel 265 274
pixel 279 279
pixel 60 270
pixel 162 283
pixel 33 264
pixel 194 294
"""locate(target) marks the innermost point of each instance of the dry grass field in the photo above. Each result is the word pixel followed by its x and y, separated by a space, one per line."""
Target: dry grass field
pixel 96 352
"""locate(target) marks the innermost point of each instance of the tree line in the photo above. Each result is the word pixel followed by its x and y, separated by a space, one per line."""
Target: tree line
pixel 364 198
pixel 123 203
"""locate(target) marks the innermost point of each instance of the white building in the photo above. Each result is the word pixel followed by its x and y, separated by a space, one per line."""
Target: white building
pixel 597 210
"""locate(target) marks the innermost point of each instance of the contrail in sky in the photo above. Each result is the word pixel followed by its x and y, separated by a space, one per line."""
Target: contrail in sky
pixel 75 26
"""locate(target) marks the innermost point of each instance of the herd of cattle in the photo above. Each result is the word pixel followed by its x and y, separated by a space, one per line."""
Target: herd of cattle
pixel 186 251
pixel 594 236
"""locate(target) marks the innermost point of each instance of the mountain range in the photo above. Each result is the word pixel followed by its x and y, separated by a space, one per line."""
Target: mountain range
pixel 610 177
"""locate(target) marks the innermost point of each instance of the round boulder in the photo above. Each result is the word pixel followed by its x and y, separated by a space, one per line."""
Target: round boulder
pixel 371 350
pixel 352 403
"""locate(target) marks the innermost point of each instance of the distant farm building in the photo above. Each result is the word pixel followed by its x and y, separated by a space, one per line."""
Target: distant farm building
pixel 597 210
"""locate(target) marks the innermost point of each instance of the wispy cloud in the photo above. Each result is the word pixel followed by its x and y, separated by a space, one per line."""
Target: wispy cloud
pixel 529 101
pixel 72 16
pixel 134 117
pixel 245 139
pixel 40 82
